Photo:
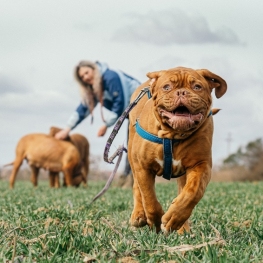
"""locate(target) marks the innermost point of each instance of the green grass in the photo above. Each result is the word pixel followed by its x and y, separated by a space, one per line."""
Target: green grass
pixel 55 225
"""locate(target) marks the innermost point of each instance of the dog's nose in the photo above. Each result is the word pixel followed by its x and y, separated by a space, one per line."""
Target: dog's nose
pixel 181 92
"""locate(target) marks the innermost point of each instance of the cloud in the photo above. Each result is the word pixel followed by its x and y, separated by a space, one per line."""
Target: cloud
pixel 169 27
pixel 37 104
pixel 9 85
pixel 163 63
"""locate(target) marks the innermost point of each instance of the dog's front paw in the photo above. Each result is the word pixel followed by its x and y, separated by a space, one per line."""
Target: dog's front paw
pixel 164 230
pixel 184 229
pixel 138 219
pixel 172 221
pixel 169 226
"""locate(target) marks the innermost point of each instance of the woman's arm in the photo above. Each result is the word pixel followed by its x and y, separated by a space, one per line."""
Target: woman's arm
pixel 78 116
pixel 75 118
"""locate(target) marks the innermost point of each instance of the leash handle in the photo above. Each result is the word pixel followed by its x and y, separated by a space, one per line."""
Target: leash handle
pixel 118 125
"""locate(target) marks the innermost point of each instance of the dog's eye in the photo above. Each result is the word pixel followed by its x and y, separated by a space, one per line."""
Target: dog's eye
pixel 166 88
pixel 197 87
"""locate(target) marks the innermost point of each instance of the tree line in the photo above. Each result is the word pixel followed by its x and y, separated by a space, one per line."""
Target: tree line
pixel 249 158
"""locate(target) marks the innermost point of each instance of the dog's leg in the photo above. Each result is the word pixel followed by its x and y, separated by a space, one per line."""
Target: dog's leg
pixel 34 174
pixel 138 218
pixel 17 163
pixel 86 169
pixel 181 208
pixel 56 180
pixel 51 179
pixel 152 208
pixel 181 181
pixel 84 175
pixel 68 176
pixel 64 181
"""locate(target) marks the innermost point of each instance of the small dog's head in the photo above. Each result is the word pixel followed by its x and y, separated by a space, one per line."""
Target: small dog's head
pixel 77 176
pixel 182 96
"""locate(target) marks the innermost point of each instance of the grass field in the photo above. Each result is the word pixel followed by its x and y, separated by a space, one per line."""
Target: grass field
pixel 55 225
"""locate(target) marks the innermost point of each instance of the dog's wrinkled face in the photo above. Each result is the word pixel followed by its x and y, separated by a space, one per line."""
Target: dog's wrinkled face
pixel 182 104
pixel 182 97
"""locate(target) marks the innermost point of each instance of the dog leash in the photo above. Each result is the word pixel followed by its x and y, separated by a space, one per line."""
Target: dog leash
pixel 119 152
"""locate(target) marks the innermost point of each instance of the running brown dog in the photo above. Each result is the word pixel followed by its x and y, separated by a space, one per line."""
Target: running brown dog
pixel 179 111
pixel 82 144
pixel 44 151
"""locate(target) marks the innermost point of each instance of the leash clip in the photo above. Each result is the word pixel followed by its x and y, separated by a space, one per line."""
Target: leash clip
pixel 141 94
pixel 120 149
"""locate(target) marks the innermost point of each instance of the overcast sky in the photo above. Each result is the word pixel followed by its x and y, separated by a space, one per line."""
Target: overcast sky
pixel 42 41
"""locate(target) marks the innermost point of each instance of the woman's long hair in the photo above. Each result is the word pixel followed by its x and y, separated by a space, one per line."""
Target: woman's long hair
pixel 90 93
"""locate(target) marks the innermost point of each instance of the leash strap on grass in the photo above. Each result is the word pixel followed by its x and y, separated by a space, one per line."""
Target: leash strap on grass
pixel 119 153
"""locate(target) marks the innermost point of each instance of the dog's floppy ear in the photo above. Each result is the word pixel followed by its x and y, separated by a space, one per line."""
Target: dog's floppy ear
pixel 153 76
pixel 214 82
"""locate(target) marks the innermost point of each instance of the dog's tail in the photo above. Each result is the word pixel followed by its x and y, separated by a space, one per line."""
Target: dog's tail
pixel 215 111
pixel 8 164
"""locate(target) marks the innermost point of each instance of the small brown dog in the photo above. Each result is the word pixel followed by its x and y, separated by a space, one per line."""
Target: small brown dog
pixel 171 135
pixel 82 144
pixel 44 151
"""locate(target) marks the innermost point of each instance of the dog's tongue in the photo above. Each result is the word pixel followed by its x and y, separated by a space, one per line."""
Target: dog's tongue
pixel 181 119
pixel 181 113
pixel 178 113
pixel 190 117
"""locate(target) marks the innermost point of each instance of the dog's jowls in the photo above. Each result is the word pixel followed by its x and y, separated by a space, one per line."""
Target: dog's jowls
pixel 179 109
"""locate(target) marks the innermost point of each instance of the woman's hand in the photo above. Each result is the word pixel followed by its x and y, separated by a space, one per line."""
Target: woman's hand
pixel 102 131
pixel 63 134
